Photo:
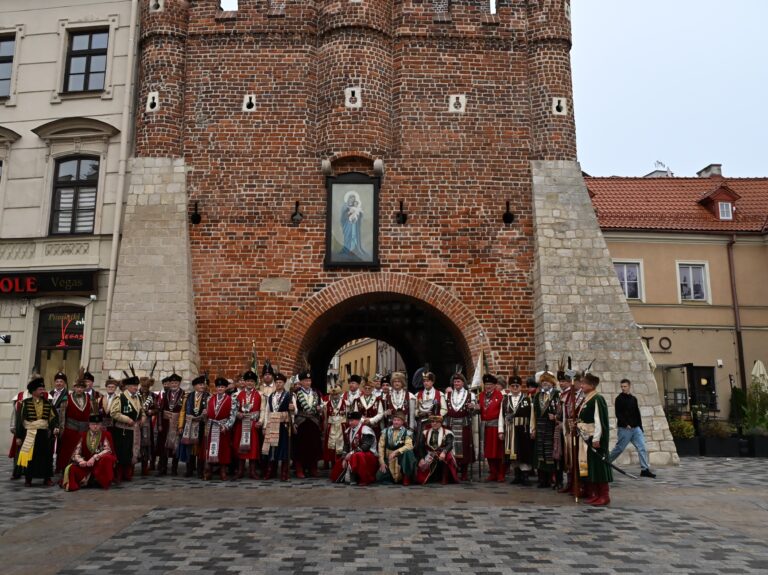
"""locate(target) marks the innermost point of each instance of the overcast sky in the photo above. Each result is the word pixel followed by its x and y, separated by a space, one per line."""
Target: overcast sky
pixel 684 82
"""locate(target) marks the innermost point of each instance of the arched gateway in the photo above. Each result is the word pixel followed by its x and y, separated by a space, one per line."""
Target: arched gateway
pixel 425 322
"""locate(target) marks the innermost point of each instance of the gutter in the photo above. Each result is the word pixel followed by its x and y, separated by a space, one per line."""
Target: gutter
pixel 122 167
pixel 737 315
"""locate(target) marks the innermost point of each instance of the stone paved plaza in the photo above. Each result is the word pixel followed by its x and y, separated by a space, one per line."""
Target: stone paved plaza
pixel 705 516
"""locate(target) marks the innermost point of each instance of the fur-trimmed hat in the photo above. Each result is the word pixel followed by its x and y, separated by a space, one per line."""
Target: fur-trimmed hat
pixel 548 377
pixel 399 375
pixel 221 382
pixel 435 418
pixel 268 369
pixel 60 375
pixel 250 376
pixel 460 376
pixel 174 377
pixel 200 379
pixel 400 415
pixel 280 377
pixel 304 374
pixel 35 383
pixel 354 415
pixel 95 417
pixel 490 378
pixel 355 379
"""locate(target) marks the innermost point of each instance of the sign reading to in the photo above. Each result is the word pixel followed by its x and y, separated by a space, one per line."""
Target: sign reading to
pixel 37 284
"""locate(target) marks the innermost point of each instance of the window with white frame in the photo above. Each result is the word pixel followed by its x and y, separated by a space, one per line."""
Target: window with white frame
pixel 74 195
pixel 7 50
pixel 726 210
pixel 629 278
pixel 693 282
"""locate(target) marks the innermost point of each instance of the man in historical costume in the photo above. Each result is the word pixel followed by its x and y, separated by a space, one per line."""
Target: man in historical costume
pixel 429 401
pixel 169 407
pixel 359 463
pixel 15 409
pixel 248 427
pixel 438 462
pixel 397 462
pixel 564 431
pixel 370 408
pixel 77 410
pixel 104 403
pixel 149 403
pixel 398 398
pixel 127 415
pixel 543 423
pixel 460 407
pixel 308 424
pixel 353 392
pixel 220 418
pixel 376 381
pixel 59 392
pixel 490 408
pixel 267 386
pixel 89 379
pixel 37 424
pixel 192 427
pixel 335 417
pixel 278 429
pixel 515 430
pixel 93 461
pixel 594 430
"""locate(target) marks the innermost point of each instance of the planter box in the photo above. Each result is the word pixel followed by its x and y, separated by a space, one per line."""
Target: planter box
pixel 758 446
pixel 688 447
pixel 720 447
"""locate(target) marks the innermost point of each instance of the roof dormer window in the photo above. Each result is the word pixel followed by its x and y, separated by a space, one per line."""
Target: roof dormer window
pixel 726 210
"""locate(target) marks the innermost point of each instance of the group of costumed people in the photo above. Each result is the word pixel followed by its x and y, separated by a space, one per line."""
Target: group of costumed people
pixel 375 431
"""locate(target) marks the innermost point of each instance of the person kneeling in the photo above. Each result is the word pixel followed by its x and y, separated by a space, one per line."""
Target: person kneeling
pixel 358 465
pixel 93 461
pixel 397 463
pixel 438 462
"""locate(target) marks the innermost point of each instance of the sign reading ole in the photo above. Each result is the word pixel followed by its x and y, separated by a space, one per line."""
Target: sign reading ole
pixel 38 284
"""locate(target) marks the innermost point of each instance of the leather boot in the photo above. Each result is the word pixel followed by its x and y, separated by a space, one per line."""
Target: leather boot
pixel 128 473
pixel 517 477
pixel 464 472
pixel 207 473
pixel 406 480
pixel 299 466
pixel 152 464
pixel 270 472
pixel 590 492
pixel 223 473
pixel 544 477
pixel 568 487
pixel 252 473
pixel 240 469
pixel 603 498
pixel 444 479
pixel 491 470
pixel 175 466
pixel 162 466
pixel 144 468
pixel 313 470
pixel 524 478
pixel 284 468
pixel 191 466
pixel 501 471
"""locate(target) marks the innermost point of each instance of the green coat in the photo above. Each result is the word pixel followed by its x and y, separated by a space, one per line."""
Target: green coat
pixel 599 471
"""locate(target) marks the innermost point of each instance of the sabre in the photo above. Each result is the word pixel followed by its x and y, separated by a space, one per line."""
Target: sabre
pixel 588 441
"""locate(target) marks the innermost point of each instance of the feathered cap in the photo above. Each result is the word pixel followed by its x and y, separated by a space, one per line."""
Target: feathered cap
pixel 60 375
pixel 36 382
pixel 547 377
pixel 355 379
pixel 490 378
pixel 221 382
pixel 592 379
pixel 459 376
pixel 200 379
pixel 268 369
pixel 250 376
pixel 515 378
pixel 304 374
pixel 399 375
pixel 280 377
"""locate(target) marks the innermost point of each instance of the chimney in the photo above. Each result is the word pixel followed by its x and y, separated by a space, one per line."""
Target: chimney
pixel 711 171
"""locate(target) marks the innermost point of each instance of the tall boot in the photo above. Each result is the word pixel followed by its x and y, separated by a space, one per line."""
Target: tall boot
pixel 464 467
pixel 299 467
pixel 200 467
pixel 491 470
pixel 524 478
pixel 517 478
pixel 128 472
pixel 118 475
pixel 223 472
pixel 444 478
pixel 590 492
pixel 603 498
pixel 162 466
pixel 240 469
pixel 144 468
pixel 568 485
pixel 207 472
pixel 191 466
pixel 313 469
pixel 270 471
pixel 252 469
pixel 175 466
pixel 501 471
pixel 544 477
pixel 284 468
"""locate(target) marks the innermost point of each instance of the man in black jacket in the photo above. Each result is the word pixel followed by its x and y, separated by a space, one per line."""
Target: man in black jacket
pixel 630 428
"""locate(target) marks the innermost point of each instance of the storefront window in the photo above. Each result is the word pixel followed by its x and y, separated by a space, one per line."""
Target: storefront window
pixel 60 341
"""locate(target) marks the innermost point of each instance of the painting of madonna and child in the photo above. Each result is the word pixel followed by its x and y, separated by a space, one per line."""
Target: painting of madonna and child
pixel 352 224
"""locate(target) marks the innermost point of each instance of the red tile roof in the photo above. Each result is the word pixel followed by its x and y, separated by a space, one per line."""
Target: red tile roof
pixel 672 204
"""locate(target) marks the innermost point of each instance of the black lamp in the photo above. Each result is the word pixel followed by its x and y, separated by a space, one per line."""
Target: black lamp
pixel 401 217
pixel 508 217
pixel 296 216
pixel 195 216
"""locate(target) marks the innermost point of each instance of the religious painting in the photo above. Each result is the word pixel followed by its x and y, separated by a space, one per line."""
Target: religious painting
pixel 352 221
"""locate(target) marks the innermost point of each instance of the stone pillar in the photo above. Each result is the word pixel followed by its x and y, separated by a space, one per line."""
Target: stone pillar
pixel 153 316
pixel 579 307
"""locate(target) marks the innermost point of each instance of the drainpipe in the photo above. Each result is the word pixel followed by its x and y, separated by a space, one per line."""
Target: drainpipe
pixel 737 315
pixel 122 167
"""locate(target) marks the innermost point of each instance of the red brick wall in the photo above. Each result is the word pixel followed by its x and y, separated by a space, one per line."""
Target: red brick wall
pixel 453 171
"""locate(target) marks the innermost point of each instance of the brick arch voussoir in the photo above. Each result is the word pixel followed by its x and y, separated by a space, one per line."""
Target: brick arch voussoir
pixel 289 350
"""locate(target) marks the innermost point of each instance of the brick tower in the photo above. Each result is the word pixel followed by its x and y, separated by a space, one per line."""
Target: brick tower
pixel 487 241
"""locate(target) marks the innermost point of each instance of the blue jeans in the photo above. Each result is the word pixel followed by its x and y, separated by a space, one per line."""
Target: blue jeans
pixel 634 435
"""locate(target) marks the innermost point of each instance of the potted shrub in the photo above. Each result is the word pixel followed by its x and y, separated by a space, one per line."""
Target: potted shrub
pixel 755 420
pixel 718 439
pixel 683 433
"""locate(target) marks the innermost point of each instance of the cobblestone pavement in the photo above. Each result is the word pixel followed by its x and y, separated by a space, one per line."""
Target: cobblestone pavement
pixel 705 516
